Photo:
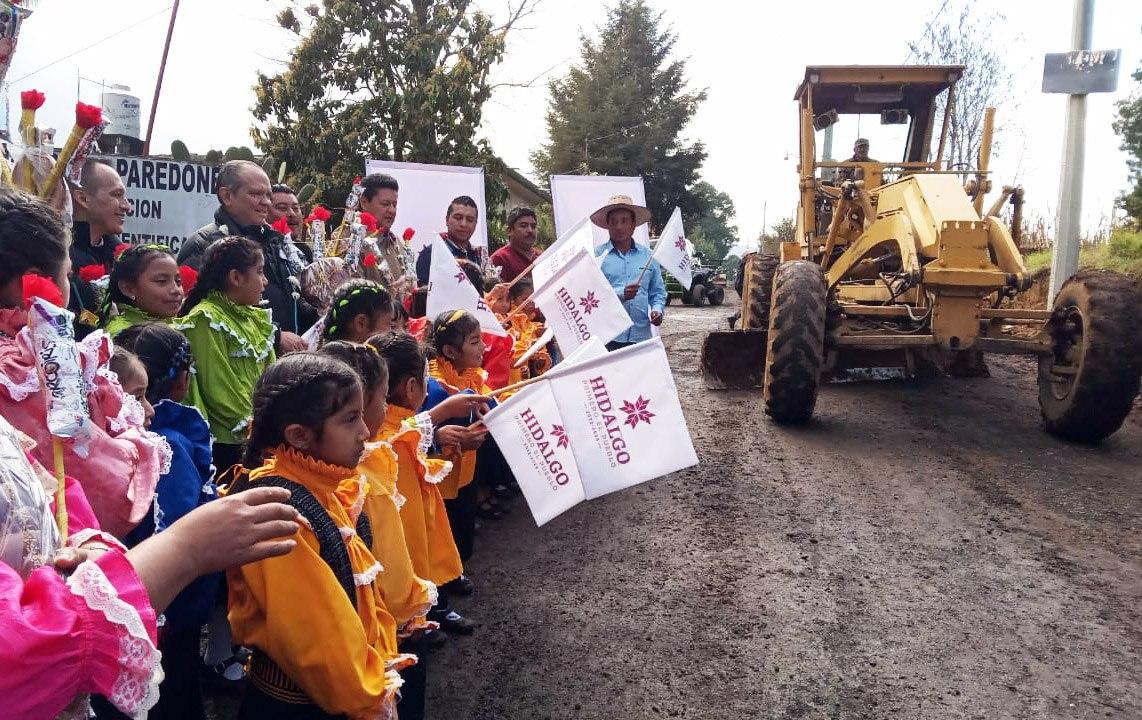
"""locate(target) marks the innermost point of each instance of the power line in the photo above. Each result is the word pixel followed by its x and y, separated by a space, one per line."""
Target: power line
pixel 88 47
pixel 927 29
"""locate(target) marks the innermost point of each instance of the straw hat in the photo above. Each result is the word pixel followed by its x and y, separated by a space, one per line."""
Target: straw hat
pixel 620 202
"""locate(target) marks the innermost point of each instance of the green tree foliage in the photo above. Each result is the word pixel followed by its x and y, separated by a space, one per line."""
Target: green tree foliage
pixel 715 228
pixel 622 110
pixel 383 79
pixel 1128 125
pixel 785 230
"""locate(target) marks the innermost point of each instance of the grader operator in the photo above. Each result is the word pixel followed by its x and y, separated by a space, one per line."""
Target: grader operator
pixel 900 264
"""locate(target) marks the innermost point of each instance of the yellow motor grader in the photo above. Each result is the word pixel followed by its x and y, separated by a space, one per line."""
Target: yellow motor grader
pixel 900 264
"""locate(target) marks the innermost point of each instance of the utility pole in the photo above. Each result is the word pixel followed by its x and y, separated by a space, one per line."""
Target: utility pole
pixel 1065 259
pixel 159 80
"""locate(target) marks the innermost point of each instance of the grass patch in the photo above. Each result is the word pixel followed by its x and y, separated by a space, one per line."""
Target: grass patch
pixel 1123 254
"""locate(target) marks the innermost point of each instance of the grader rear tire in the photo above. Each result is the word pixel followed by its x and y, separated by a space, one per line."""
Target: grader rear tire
pixel 796 349
pixel 698 295
pixel 1088 384
pixel 761 270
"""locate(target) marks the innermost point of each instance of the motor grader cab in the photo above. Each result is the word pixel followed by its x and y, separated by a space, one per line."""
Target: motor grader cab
pixel 898 263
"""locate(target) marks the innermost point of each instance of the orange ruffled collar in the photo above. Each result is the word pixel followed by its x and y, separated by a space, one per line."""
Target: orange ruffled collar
pixel 309 471
pixel 446 374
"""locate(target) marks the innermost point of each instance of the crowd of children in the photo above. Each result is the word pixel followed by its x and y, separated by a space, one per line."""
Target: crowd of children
pixel 340 487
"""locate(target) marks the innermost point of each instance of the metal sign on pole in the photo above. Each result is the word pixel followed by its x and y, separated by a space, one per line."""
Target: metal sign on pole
pixel 1076 73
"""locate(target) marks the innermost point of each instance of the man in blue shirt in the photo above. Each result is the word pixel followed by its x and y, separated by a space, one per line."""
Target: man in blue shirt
pixel 643 293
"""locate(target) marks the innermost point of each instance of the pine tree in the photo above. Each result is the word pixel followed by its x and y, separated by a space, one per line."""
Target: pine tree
pixel 622 111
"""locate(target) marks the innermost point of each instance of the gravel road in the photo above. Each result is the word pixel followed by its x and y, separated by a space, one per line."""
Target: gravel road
pixel 921 550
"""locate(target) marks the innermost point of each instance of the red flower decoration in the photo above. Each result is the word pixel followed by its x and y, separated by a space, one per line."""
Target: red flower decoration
pixel 408 233
pixel 189 277
pixel 31 100
pixel 120 249
pixel 90 273
pixel 357 180
pixel 369 221
pixel 319 213
pixel 88 116
pixel 38 286
pixel 281 225
pixel 370 260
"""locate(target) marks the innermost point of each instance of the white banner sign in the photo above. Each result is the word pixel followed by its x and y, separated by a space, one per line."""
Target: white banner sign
pixel 579 304
pixel 426 191
pixel 575 197
pixel 579 237
pixel 169 200
pixel 531 434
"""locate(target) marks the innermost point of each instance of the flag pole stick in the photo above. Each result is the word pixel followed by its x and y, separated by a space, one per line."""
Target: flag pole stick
pixel 515 386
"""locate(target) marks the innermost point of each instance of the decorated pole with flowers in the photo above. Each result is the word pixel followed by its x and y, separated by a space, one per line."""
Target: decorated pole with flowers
pixel 316 222
pixel 86 117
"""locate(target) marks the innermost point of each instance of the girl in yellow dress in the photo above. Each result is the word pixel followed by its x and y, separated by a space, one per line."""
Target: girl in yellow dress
pixel 407 597
pixel 323 642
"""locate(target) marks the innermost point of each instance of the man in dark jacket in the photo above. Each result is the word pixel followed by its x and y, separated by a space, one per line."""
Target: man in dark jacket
pixel 100 209
pixel 244 201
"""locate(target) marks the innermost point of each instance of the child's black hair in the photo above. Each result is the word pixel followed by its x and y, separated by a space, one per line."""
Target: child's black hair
pixel 302 388
pixel 122 362
pixel 521 290
pixel 31 236
pixel 355 297
pixel 128 267
pixel 365 360
pixel 230 253
pixel 164 352
pixel 400 315
pixel 450 328
pixel 474 273
pixel 403 355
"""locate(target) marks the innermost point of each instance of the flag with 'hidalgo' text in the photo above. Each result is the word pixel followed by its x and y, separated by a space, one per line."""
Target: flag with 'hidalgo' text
pixel 578 303
pixel 673 251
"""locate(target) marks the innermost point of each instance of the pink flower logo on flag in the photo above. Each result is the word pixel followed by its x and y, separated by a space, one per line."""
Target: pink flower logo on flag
pixel 681 243
pixel 460 277
pixel 561 438
pixel 590 302
pixel 637 411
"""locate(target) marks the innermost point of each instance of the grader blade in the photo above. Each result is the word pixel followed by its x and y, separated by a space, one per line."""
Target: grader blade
pixel 733 359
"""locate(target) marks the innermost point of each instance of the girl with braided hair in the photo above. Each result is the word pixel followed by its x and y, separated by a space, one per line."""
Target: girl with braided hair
pixel 231 339
pixel 407 596
pixel 323 642
pixel 145 285
pixel 360 309
pixel 166 357
pixel 410 433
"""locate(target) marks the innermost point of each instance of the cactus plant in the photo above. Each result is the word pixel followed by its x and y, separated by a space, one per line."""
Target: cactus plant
pixel 179 151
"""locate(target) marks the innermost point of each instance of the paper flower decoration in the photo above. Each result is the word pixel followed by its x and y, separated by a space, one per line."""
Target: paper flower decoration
pixel 408 233
pixel 31 100
pixel 370 260
pixel 120 249
pixel 88 116
pixel 91 273
pixel 281 225
pixel 368 221
pixel 38 286
pixel 319 213
pixel 189 277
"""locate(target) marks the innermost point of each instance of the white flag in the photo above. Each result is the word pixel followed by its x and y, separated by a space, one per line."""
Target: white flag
pixel 578 303
pixel 450 289
pixel 622 415
pixel 530 432
pixel 562 250
pixel 673 250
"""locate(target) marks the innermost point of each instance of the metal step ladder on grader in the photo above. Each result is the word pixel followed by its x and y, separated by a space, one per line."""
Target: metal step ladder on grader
pixel 897 264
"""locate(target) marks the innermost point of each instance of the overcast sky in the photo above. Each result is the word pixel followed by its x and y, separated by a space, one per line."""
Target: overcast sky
pixel 748 55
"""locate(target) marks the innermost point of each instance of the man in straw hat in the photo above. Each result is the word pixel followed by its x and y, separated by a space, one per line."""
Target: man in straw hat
pixel 628 266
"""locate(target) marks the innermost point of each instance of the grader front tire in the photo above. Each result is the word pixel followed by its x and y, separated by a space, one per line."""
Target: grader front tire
pixel 1088 384
pixel 796 347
